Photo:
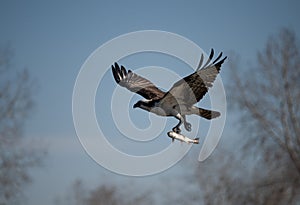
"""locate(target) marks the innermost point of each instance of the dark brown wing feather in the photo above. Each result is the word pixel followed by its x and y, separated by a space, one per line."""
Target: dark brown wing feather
pixel 192 88
pixel 136 83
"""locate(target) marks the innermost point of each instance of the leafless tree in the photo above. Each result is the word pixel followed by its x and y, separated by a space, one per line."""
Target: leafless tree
pixel 101 195
pixel 16 103
pixel 267 97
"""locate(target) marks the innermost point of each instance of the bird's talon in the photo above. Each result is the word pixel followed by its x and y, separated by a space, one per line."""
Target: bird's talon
pixel 188 126
pixel 177 130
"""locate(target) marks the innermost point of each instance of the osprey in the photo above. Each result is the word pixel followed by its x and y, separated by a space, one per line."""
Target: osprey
pixel 180 99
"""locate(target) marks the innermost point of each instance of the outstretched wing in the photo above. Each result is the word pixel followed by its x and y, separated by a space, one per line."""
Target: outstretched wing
pixel 192 88
pixel 136 83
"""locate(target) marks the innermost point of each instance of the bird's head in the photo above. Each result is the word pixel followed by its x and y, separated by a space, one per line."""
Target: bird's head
pixel 145 105
pixel 138 104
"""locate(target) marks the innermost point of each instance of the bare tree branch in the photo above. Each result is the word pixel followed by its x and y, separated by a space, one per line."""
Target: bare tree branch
pixel 16 157
pixel 268 98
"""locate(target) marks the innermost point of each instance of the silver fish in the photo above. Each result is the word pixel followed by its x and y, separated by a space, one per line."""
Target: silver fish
pixel 182 138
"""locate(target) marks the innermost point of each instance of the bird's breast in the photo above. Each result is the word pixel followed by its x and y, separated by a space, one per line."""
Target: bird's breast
pixel 159 111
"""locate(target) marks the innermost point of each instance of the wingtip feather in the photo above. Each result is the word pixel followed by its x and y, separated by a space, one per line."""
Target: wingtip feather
pixel 200 62
pixel 124 72
pixel 209 58
pixel 115 74
pixel 212 52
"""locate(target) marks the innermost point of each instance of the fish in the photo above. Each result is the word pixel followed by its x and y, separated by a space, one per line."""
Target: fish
pixel 182 138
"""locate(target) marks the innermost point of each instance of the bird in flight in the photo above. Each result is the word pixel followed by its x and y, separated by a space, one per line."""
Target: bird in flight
pixel 180 99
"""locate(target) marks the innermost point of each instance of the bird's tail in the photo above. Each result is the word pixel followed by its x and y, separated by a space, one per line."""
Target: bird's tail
pixel 207 114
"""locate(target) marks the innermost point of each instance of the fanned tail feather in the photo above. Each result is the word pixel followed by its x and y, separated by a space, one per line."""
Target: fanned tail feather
pixel 207 114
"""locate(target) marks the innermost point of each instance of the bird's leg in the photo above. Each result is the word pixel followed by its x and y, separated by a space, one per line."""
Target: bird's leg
pixel 187 125
pixel 181 120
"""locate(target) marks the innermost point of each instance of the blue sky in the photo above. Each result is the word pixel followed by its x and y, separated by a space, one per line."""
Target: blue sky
pixel 53 39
